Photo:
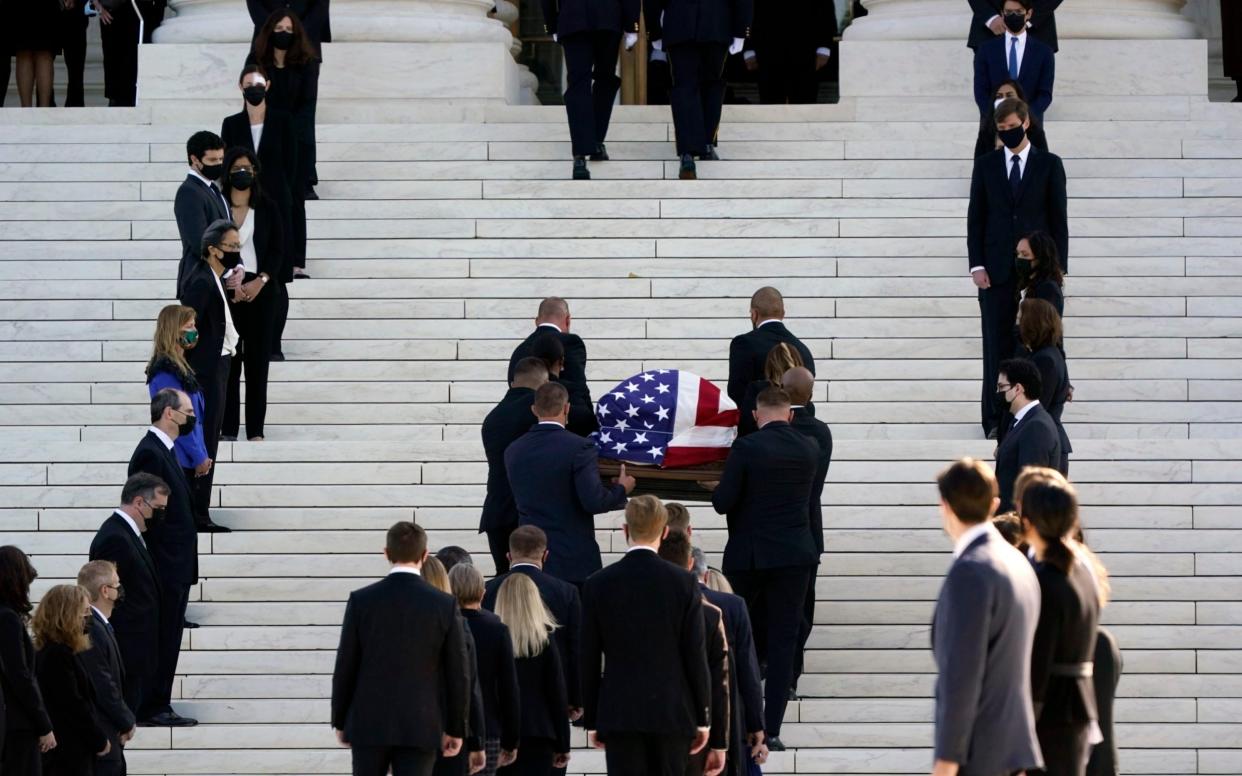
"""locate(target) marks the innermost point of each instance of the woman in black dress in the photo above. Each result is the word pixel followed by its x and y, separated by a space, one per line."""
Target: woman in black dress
pixel 32 32
pixel 1039 330
pixel 27 730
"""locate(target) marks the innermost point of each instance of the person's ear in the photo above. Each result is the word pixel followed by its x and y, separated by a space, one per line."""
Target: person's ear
pixel 995 504
pixel 426 554
pixel 386 557
pixel 625 529
pixel 509 556
pixel 534 411
pixel 545 557
pixel 664 535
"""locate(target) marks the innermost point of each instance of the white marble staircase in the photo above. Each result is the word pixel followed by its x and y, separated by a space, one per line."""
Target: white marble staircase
pixel 436 235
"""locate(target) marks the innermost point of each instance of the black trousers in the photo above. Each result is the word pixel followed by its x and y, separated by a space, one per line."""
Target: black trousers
pixel 256 326
pixel 404 761
pixel 998 309
pixel 140 655
pixel 787 74
pixel 534 758
pixel 697 94
pixel 67 761
pixel 73 25
pixel 214 382
pixel 659 82
pixel 174 597
pixel 114 763
pixel 804 634
pixel 297 239
pixel 498 545
pixel 646 753
pixel 591 86
pixel 1065 749
pixel 120 50
pixel 281 316
pixel 780 595
pixel 21 754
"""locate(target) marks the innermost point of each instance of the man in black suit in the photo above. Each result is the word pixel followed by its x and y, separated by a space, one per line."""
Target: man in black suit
pixel 554 475
pixel 1032 439
pixel 982 632
pixel 528 551
pixel 313 13
pixel 697 36
pixel 987 21
pixel 765 491
pixel 118 36
pixel 589 32
pixel 507 422
pixel 404 639
pixel 199 200
pixel 102 662
pixel 748 352
pixel 799 383
pixel 554 318
pixel 645 680
pixel 136 620
pixel 173 543
pixel 1015 56
pixel 1014 190
pixel 203 289
pixel 790 44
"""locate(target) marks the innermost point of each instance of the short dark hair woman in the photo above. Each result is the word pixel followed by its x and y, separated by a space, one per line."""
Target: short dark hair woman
pixel 1038 266
pixel 1039 330
pixel 27 726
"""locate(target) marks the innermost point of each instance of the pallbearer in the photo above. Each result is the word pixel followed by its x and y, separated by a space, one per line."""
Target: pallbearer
pixel 590 32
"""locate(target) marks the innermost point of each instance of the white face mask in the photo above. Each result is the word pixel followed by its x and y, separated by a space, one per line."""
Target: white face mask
pixel 996 103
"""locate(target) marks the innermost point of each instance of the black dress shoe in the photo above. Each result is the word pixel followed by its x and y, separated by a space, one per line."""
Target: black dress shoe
pixel 710 154
pixel 189 625
pixel 581 173
pixel 300 275
pixel 687 172
pixel 775 744
pixel 277 356
pixel 793 695
pixel 228 437
pixel 601 154
pixel 310 193
pixel 168 719
pixel 210 527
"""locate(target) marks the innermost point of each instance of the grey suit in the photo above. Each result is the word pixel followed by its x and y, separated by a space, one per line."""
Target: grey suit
pixel 981 636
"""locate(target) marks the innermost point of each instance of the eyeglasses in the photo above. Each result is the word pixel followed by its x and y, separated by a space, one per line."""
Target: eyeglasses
pixel 118 587
pixel 231 246
pixel 1003 386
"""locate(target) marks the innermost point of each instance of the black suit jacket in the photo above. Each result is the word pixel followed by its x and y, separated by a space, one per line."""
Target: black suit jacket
pixel 140 611
pixel 545 703
pixel 802 25
pixel 23 701
pixel 277 152
pixel 747 685
pixel 749 351
pixel 506 423
pixel 563 600
pixel 554 475
pixel 1043 21
pixel 806 424
pixel 313 13
pixel 573 376
pixel 173 541
pixel 70 699
pixel 1054 376
pixel 1034 441
pixel 566 17
pixel 1036 75
pixel 401 638
pixel 765 490
pixel 644 653
pixel 995 221
pixel 493 651
pixel 199 291
pixel 107 674
pixel 270 240
pixel 719 667
pixel 1069 615
pixel 745 410
pixel 698 21
pixel 195 207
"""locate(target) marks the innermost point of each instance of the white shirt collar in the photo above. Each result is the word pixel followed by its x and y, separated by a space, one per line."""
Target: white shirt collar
pixel 550 423
pixel 1020 414
pixel 640 547
pixel 167 440
pixel 549 325
pixel 133 526
pixel 102 616
pixel 1022 155
pixel 972 533
pixel 769 320
pixel 797 406
pixel 195 173
pixel 404 570
pixel 523 563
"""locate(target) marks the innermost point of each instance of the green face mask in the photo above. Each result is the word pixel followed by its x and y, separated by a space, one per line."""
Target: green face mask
pixel 189 338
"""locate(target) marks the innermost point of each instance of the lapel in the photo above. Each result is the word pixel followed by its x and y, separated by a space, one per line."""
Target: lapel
pixel 114 663
pixel 217 199
pixel 139 546
pixel 1033 163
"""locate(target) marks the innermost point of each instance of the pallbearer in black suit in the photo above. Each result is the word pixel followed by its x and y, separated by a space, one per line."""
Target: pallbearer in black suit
pixel 173 543
pixel 1032 438
pixel 401 638
pixel 749 352
pixel 791 42
pixel 697 35
pixel 765 490
pixel 507 422
pixel 590 32
pixel 988 21
pixel 799 383
pixel 645 681
pixel 135 621
pixel 1015 56
pixel 1014 190
pixel 553 317
pixel 199 200
pixel 103 665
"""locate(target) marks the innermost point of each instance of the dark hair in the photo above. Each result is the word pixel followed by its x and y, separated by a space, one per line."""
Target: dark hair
pixel 202 142
pixel 969 488
pixel 214 234
pixel 1009 525
pixel 1011 107
pixel 549 349
pixel 1051 507
pixel 16 574
pixel 529 368
pixel 1038 324
pixel 1020 371
pixel 406 542
pixel 1017 88
pixel 527 541
pixel 552 307
pixel 302 50
pixel 1027 4
pixel 164 399
pixel 675 548
pixel 252 68
pixel 452 555
pixel 678 517
pixel 772 396
pixel 230 158
pixel 550 399
pixel 1047 260
pixel 144 485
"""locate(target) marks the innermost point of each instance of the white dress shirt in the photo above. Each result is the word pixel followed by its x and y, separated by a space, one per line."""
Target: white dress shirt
pixel 1009 39
pixel 245 233
pixel 550 326
pixel 1020 414
pixel 102 616
pixel 167 440
pixel 550 423
pixel 647 547
pixel 766 322
pixel 972 533
pixel 404 570
pixel 132 525
pixel 1022 155
pixel 256 134
pixel 230 331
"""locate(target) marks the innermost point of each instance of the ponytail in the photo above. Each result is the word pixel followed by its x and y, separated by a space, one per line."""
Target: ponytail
pixel 1051 507
pixel 1058 554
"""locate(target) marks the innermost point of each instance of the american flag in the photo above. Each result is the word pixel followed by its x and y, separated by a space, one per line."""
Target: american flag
pixel 667 418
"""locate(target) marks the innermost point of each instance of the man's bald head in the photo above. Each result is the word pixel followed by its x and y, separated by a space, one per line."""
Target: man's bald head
pixel 766 304
pixel 799 383
pixel 554 310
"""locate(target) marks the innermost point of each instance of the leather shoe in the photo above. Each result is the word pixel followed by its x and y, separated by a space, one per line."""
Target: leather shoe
pixel 775 744
pixel 687 172
pixel 793 695
pixel 581 173
pixel 210 527
pixel 228 437
pixel 710 154
pixel 310 194
pixel 276 357
pixel 601 154
pixel 188 625
pixel 168 719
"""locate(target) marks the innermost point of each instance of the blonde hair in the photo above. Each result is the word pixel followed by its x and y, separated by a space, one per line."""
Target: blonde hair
pixel 717 581
pixel 58 618
pixel 433 571
pixel 467 584
pixel 781 358
pixel 94 575
pixel 519 606
pixel 167 340
pixel 646 518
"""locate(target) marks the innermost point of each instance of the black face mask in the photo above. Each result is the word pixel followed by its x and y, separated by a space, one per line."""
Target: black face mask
pixel 120 594
pixel 186 427
pixel 86 623
pixel 241 179
pixel 157 515
pixel 254 94
pixel 1016 22
pixel 1023 268
pixel 282 40
pixel 1001 401
pixel 230 259
pixel 1011 138
pixel 212 172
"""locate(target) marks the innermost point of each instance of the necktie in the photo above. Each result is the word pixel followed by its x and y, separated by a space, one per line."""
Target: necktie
pixel 220 196
pixel 1013 59
pixel 1015 175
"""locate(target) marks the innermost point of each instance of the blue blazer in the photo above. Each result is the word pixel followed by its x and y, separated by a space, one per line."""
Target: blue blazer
pixel 1036 74
pixel 554 475
pixel 191 450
